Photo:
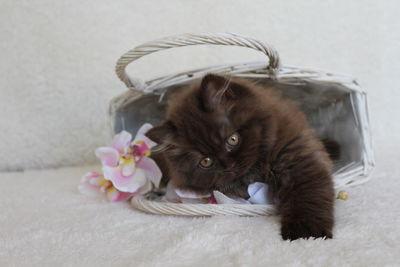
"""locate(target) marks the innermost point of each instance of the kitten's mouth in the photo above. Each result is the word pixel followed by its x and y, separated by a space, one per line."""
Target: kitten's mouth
pixel 229 180
pixel 227 187
pixel 235 188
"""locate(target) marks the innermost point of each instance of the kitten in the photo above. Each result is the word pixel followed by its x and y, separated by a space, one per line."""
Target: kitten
pixel 225 133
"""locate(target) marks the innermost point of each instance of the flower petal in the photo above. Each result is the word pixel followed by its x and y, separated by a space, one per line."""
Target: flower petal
pixel 89 184
pixel 90 190
pixel 125 183
pixel 90 175
pixel 108 156
pixel 114 195
pixel 147 187
pixel 189 194
pixel 151 170
pixel 128 169
pixel 123 196
pixel 122 142
pixel 223 199
pixel 141 135
pixel 194 200
pixel 258 193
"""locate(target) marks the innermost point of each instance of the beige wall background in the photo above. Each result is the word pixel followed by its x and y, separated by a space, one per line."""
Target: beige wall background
pixel 57 61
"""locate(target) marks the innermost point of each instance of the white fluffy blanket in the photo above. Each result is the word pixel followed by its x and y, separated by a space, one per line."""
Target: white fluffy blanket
pixel 46 222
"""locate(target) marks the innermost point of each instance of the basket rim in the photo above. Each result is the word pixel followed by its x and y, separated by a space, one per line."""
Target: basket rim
pixel 140 202
pixel 256 69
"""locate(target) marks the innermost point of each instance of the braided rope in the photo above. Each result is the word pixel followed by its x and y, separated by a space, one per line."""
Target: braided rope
pixel 194 39
pixel 167 208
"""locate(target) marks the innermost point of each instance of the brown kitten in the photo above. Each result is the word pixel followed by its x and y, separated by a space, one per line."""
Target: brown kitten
pixel 226 133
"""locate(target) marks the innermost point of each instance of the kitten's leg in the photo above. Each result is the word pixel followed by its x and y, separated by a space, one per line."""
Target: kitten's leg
pixel 306 196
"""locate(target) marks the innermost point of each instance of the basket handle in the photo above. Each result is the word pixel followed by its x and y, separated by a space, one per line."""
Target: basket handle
pixel 195 39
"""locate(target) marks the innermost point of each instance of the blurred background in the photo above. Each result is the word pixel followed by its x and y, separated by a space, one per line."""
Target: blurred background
pixel 58 57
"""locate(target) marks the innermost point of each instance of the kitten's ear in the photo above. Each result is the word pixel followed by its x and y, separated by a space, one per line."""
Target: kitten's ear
pixel 163 133
pixel 216 90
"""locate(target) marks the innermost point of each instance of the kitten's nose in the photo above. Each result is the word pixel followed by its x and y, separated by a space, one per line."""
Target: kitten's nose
pixel 230 174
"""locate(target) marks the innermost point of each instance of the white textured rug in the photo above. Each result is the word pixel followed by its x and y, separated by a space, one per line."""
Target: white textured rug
pixel 46 222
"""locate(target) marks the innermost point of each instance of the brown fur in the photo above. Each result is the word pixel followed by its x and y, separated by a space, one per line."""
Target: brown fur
pixel 276 146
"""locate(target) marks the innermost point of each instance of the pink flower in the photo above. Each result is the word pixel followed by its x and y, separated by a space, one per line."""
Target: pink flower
pixel 93 184
pixel 126 163
pixel 127 168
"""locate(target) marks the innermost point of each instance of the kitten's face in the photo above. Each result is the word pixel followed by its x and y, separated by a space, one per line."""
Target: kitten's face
pixel 212 135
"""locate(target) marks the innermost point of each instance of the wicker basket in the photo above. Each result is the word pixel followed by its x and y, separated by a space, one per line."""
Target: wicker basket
pixel 335 106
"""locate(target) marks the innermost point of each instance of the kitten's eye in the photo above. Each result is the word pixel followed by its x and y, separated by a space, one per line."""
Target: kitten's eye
pixel 206 162
pixel 233 140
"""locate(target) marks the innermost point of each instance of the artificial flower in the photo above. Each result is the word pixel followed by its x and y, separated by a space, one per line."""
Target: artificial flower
pixel 126 163
pixel 127 168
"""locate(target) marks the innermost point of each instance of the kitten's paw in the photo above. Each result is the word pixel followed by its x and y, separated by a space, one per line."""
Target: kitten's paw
pixel 295 230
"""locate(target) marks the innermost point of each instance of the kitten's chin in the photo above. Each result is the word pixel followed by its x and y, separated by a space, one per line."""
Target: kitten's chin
pixel 223 181
pixel 219 186
pixel 225 185
pixel 197 191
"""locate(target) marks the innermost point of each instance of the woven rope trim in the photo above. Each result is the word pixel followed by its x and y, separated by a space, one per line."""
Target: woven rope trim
pixel 166 208
pixel 194 39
